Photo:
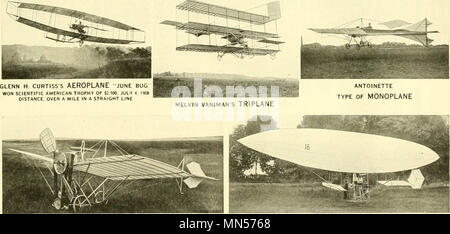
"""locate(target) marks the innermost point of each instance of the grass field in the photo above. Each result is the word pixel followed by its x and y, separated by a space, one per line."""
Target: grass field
pixel 163 86
pixel 35 70
pixel 296 198
pixel 24 191
pixel 124 68
pixel 328 62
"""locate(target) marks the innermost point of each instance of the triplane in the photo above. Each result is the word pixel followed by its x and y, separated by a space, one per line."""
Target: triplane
pixel 355 154
pixel 72 26
pixel 232 31
pixel 417 32
pixel 87 176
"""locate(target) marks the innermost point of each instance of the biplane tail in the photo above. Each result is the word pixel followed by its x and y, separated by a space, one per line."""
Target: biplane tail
pixel 274 10
pixel 197 175
pixel 415 181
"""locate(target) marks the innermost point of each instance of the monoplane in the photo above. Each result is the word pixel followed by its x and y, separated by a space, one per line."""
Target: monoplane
pixel 417 32
pixel 236 38
pixel 72 26
pixel 355 154
pixel 88 176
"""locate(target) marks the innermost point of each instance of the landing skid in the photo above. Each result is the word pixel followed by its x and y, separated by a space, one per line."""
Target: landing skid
pixel 358 45
pixel 238 55
pixel 65 39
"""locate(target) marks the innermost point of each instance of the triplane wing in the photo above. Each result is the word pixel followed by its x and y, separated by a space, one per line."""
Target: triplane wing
pixel 199 29
pixel 261 42
pixel 228 13
pixel 221 50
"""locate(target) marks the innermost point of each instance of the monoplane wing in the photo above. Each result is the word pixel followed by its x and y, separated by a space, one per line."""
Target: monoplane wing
pixel 199 29
pixel 132 167
pixel 34 156
pixel 226 49
pixel 345 31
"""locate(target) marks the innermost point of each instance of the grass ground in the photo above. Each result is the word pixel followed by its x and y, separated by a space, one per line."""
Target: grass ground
pixel 35 70
pixel 296 198
pixel 24 191
pixel 125 68
pixel 327 62
pixel 163 86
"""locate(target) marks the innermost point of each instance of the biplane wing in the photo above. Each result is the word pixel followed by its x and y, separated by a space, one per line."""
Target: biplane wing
pixel 199 29
pixel 226 49
pixel 16 10
pixel 135 167
pixel 71 34
pixel 76 14
pixel 273 10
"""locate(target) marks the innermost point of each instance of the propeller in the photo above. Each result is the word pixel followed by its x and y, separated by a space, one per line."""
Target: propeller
pixel 48 142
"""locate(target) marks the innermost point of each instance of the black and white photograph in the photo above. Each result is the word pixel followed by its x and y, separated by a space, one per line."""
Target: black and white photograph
pixel 213 115
pixel 232 43
pixel 371 39
pixel 75 39
pixel 340 164
pixel 142 164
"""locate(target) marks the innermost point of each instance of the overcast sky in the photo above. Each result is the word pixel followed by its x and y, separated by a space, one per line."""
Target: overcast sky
pixel 113 128
pixel 135 13
pixel 332 13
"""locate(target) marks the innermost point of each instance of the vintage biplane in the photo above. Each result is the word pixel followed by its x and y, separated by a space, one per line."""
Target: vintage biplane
pixel 355 154
pixel 87 176
pixel 235 39
pixel 72 26
pixel 417 32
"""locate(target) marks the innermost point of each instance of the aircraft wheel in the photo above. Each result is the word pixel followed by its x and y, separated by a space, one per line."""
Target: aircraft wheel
pixel 347 46
pixel 80 204
pixel 369 45
pixel 358 47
